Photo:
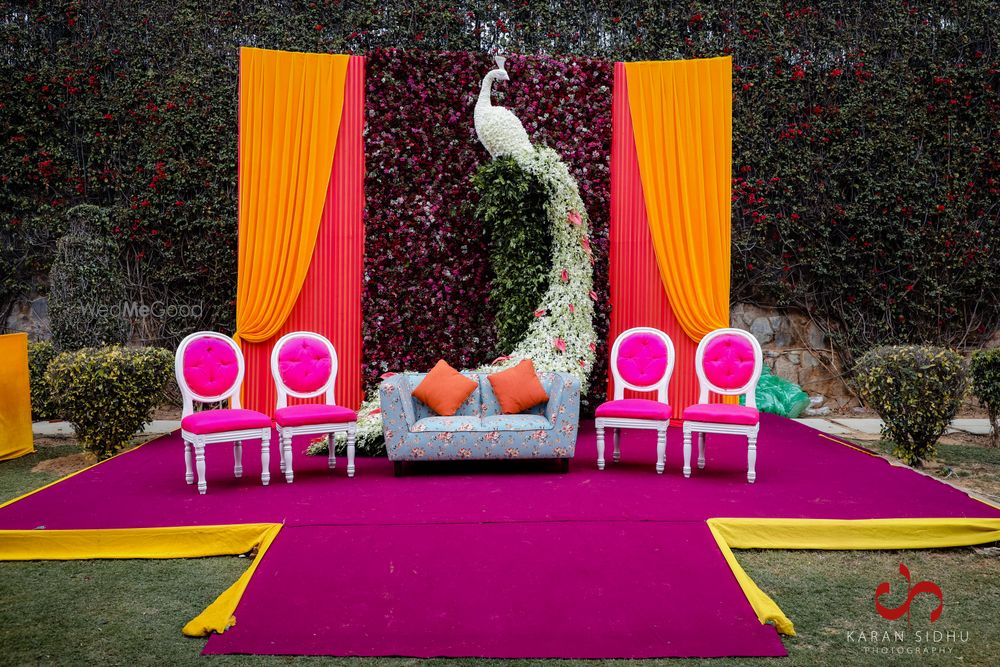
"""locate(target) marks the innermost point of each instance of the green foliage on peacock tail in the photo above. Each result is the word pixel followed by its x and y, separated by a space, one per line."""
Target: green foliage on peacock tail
pixel 512 211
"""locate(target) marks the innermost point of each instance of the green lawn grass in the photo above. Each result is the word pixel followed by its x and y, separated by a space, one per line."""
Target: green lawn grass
pixel 131 611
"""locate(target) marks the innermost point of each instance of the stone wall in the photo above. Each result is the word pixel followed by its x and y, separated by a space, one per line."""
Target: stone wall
pixel 797 350
pixel 30 315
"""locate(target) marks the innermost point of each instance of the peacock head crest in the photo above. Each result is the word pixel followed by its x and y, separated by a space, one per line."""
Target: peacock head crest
pixel 501 72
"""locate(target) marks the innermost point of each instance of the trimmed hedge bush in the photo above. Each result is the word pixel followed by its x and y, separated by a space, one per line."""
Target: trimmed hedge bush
pixel 108 393
pixel 512 211
pixel 86 284
pixel 916 390
pixel 984 372
pixel 40 355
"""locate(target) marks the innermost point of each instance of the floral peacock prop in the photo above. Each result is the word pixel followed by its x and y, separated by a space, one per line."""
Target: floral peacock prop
pixel 561 337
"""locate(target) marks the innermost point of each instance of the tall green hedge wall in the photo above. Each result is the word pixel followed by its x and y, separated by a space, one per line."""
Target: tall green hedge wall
pixel 866 165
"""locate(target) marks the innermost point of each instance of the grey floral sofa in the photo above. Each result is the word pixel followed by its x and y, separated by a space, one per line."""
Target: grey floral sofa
pixel 479 430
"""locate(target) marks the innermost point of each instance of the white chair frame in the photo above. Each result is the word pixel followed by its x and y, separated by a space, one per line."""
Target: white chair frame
pixel 198 441
pixel 661 386
pixel 286 433
pixel 750 389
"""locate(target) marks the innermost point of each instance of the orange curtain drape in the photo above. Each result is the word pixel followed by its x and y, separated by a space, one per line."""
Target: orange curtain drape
pixel 290 111
pixel 682 119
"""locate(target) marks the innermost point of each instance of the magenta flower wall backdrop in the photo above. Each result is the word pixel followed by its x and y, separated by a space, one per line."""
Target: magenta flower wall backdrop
pixel 426 264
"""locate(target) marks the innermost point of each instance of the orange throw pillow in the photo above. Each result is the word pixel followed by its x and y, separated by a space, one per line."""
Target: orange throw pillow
pixel 444 389
pixel 518 388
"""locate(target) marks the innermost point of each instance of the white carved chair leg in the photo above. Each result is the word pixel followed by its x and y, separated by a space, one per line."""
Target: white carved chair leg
pixel 265 459
pixel 238 459
pixel 331 456
pixel 286 456
pixel 350 451
pixel 188 469
pixel 687 453
pixel 752 457
pixel 199 464
pixel 701 450
pixel 281 461
pixel 600 446
pixel 617 456
pixel 661 449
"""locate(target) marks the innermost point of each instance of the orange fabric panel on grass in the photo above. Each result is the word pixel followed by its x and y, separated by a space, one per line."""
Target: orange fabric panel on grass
pixel 330 300
pixel 683 123
pixel 15 398
pixel 289 118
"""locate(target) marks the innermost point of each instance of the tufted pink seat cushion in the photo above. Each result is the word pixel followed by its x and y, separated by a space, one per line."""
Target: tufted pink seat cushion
pixel 302 415
pixel 304 364
pixel 216 421
pixel 210 366
pixel 642 359
pixel 634 408
pixel 728 361
pixel 722 414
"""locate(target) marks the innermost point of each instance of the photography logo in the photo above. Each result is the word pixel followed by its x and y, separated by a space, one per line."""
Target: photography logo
pixel 913 590
pixel 880 640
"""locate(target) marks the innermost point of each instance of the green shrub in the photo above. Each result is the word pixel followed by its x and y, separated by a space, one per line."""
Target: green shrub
pixel 512 210
pixel 108 393
pixel 985 375
pixel 40 355
pixel 87 284
pixel 916 390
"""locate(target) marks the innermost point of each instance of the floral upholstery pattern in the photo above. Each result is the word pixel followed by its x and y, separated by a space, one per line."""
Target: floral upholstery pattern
pixel 479 430
pixel 437 424
pixel 521 422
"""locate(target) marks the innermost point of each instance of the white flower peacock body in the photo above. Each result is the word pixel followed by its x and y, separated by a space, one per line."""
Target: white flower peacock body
pixel 498 129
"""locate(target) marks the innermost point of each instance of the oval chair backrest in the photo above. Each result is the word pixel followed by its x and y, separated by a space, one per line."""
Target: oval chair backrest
pixel 304 365
pixel 642 359
pixel 209 367
pixel 729 362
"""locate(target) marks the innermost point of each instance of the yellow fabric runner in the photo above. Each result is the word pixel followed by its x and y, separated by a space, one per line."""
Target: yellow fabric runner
pixel 847 534
pixel 169 542
pixel 15 398
pixel 290 110
pixel 682 115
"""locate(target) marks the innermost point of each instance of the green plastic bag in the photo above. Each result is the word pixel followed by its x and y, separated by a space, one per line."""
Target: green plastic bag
pixel 779 396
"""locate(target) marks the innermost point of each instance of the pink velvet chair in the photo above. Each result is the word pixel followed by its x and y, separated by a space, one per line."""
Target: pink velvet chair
pixel 728 362
pixel 642 359
pixel 304 365
pixel 209 369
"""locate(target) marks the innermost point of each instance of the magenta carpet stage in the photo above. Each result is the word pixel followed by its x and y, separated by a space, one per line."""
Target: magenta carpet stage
pixel 503 559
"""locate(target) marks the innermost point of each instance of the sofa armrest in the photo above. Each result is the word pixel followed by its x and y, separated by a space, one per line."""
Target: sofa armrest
pixel 396 403
pixel 563 408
